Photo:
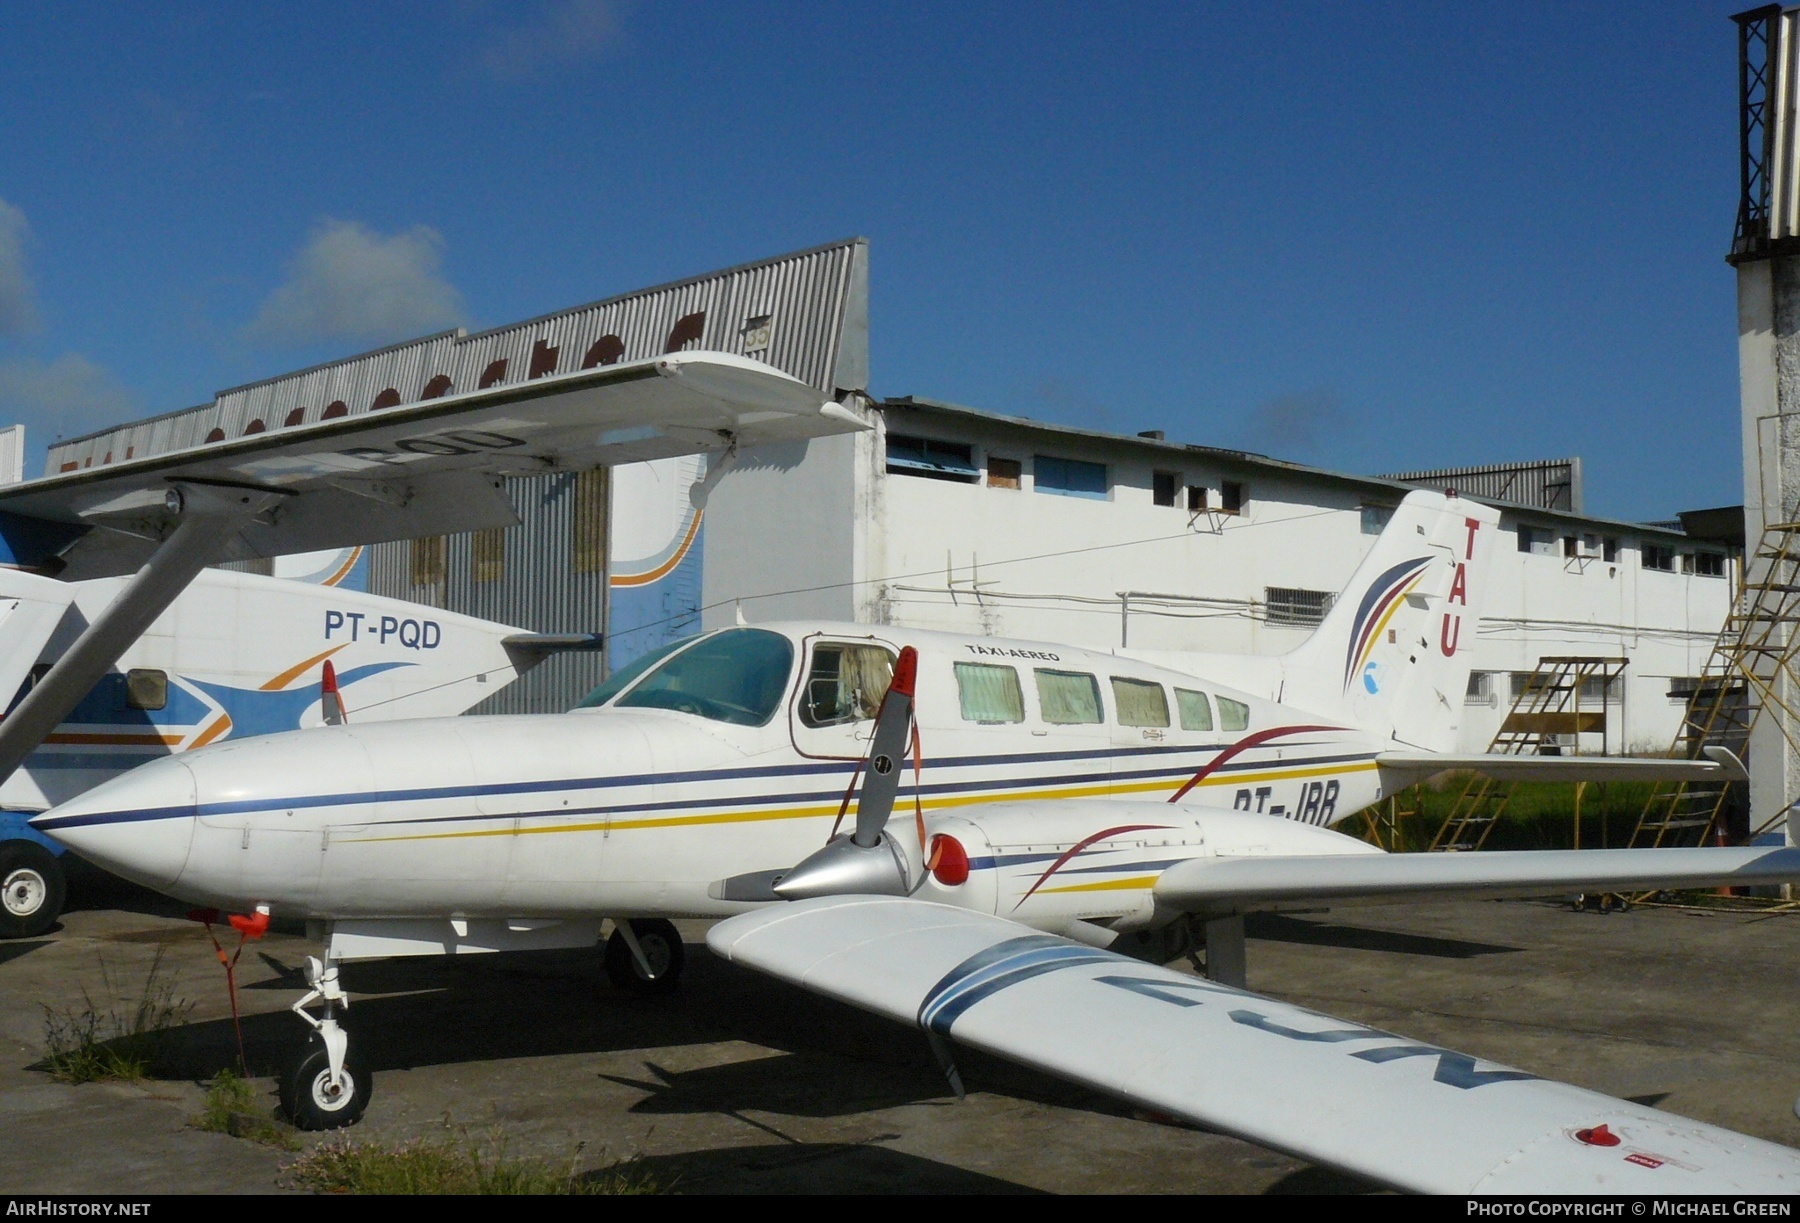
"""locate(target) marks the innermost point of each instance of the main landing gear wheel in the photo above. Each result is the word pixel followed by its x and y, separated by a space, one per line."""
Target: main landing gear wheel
pixel 663 953
pixel 313 1102
pixel 32 889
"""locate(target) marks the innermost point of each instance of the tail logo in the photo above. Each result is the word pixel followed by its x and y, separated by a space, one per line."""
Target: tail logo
pixel 1369 683
pixel 1378 606
pixel 1450 632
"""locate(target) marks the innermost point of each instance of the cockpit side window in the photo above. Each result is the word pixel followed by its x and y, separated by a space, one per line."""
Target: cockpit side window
pixel 845 683
pixel 738 676
pixel 989 693
pixel 1233 715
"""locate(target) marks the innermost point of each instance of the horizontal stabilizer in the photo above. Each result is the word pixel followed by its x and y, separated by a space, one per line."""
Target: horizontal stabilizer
pixel 554 643
pixel 1719 765
pixel 1399 1111
pixel 1228 885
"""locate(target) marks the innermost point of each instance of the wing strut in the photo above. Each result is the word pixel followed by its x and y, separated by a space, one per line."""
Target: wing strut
pixel 207 517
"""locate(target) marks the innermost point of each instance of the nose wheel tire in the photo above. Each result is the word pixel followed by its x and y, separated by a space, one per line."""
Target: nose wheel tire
pixel 32 889
pixel 312 1102
pixel 662 947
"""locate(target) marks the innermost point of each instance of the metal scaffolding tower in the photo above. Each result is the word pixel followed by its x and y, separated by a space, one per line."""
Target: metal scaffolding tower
pixel 1750 672
pixel 1560 702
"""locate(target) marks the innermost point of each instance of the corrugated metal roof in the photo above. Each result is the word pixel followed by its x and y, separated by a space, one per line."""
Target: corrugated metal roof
pixel 1546 484
pixel 805 313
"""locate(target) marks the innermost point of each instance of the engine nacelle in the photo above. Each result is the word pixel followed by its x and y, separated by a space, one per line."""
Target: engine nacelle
pixel 1079 864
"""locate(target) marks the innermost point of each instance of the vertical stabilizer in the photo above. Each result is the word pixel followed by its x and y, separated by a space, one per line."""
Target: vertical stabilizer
pixel 1392 655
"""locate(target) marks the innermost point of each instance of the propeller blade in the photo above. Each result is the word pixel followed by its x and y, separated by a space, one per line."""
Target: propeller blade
pixel 881 781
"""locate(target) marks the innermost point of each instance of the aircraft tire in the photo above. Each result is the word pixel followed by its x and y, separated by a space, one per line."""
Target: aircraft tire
pixel 306 1097
pixel 32 889
pixel 662 947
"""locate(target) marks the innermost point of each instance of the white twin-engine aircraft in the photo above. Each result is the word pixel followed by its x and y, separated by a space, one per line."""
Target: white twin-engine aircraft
pixel 1057 805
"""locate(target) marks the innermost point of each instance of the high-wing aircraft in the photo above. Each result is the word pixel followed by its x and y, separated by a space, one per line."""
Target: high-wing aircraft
pixel 406 471
pixel 709 779
pixel 237 654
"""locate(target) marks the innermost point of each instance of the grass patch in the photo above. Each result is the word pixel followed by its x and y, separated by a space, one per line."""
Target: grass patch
pixel 442 1167
pixel 231 1109
pixel 92 1044
pixel 1539 815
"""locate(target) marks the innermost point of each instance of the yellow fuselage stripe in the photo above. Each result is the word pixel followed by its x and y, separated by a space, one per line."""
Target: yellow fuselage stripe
pixel 830 809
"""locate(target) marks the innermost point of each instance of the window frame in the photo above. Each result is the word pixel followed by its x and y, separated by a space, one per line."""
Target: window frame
pixel 1042 463
pixel 1132 681
pixel 958 668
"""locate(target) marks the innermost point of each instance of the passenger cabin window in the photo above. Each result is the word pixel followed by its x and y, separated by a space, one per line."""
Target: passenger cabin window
pixel 1068 698
pixel 737 676
pixel 1233 715
pixel 988 693
pixel 1140 702
pixel 1194 708
pixel 845 684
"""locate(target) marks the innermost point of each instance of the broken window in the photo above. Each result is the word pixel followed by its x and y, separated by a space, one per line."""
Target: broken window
pixel 1162 487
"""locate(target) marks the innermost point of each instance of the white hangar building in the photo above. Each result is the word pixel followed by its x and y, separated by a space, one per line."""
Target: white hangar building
pixel 950 517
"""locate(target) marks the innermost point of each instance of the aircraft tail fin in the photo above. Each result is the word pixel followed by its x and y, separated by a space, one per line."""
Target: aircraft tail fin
pixel 1392 654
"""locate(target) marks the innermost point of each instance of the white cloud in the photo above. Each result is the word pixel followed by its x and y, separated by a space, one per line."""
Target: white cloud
pixel 561 33
pixel 351 283
pixel 65 398
pixel 18 301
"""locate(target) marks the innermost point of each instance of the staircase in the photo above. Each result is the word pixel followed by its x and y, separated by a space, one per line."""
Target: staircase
pixel 1564 699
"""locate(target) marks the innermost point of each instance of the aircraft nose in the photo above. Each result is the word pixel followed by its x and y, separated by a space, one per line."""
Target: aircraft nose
pixel 139 825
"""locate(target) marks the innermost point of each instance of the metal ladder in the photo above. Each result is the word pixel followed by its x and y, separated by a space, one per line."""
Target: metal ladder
pixel 1751 670
pixel 1548 713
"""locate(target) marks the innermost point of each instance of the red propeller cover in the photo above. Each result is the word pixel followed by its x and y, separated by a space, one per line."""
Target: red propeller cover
pixel 906 671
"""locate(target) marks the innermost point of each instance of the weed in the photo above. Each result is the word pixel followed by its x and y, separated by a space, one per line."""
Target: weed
pixel 1539 815
pixel 445 1167
pixel 86 1044
pixel 231 1109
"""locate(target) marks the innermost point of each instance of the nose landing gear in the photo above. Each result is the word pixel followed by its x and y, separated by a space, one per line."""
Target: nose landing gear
pixel 329 1087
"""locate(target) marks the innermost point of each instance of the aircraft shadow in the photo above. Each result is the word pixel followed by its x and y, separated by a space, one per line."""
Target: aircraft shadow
pixel 1281 928
pixel 832 1060
pixel 92 888
pixel 13 950
pixel 815 1167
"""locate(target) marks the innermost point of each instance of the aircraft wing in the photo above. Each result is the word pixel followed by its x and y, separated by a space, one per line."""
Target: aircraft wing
pixel 1719 764
pixel 1222 885
pixel 1366 1101
pixel 417 469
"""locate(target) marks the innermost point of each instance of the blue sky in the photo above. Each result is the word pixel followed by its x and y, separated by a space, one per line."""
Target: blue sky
pixel 1371 237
